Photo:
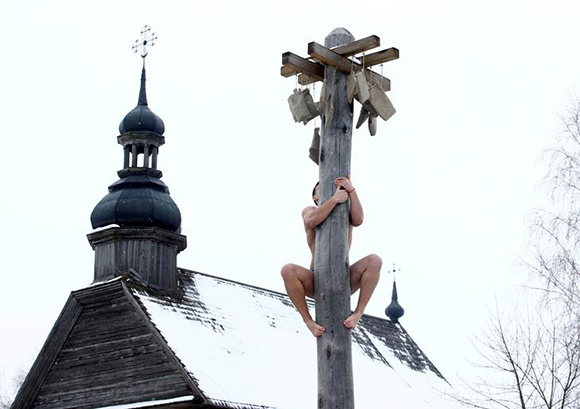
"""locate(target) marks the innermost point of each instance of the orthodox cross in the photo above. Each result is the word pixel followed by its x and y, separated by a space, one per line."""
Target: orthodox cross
pixel 147 39
pixel 331 63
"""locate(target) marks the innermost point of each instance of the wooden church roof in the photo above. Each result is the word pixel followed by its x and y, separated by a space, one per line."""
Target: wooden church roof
pixel 218 344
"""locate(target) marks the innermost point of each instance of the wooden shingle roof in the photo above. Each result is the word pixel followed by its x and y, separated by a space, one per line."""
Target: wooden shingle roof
pixel 219 343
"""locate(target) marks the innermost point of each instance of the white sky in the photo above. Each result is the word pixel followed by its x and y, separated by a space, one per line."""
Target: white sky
pixel 445 183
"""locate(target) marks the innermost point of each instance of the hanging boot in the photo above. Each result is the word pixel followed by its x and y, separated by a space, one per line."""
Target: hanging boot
pixel 362 117
pixel 373 125
pixel 314 151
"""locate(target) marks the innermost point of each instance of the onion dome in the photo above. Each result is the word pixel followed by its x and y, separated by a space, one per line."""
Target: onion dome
pixel 394 311
pixel 141 118
pixel 138 200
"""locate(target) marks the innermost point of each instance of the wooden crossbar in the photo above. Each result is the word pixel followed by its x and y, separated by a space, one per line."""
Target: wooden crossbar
pixel 327 56
pixel 309 72
pixel 358 46
pixel 287 71
pixel 292 62
pixel 303 79
pixel 380 57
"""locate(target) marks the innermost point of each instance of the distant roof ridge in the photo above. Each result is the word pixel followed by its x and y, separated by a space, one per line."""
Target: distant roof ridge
pixel 309 301
pixel 231 281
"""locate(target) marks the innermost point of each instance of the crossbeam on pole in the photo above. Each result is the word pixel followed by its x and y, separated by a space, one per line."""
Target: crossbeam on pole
pixel 329 57
pixel 382 56
pixel 294 62
pixel 358 46
pixel 303 79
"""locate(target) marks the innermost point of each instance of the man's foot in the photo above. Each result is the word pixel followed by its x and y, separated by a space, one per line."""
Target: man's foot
pixel 316 329
pixel 351 321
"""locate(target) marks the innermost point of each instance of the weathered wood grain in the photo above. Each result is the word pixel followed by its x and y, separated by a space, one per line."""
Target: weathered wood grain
pixel 188 378
pixel 152 252
pixel 332 284
pixel 104 351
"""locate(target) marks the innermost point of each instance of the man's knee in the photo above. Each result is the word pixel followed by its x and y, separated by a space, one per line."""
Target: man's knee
pixel 375 262
pixel 288 271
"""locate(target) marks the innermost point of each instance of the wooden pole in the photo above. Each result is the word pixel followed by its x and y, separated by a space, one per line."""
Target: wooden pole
pixel 332 281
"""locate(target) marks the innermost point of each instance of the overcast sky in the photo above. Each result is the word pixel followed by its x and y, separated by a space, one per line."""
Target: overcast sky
pixel 445 184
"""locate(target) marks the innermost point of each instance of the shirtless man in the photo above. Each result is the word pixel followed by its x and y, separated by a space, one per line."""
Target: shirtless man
pixel 364 274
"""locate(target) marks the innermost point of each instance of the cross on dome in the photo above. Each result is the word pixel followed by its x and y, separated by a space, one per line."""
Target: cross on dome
pixel 147 39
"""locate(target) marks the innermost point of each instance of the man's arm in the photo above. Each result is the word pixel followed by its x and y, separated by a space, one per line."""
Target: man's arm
pixel 313 216
pixel 356 210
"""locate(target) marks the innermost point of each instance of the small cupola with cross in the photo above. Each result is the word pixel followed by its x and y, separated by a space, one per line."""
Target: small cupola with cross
pixel 141 130
pixel 394 311
pixel 142 221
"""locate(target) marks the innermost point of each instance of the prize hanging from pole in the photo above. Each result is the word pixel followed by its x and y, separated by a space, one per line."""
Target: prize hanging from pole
pixel 366 86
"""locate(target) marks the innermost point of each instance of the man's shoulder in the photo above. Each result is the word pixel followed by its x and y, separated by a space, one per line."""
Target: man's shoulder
pixel 308 209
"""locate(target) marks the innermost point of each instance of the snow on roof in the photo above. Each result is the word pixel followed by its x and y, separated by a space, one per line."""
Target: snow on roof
pixel 150 403
pixel 248 345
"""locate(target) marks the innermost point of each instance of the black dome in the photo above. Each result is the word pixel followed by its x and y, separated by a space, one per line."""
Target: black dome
pixel 137 200
pixel 141 118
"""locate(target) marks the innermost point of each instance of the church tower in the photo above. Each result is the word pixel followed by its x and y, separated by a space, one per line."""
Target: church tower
pixel 139 222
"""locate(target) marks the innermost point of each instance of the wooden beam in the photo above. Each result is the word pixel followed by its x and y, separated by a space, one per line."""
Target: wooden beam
pixel 294 62
pixel 329 57
pixel 358 46
pixel 379 57
pixel 303 79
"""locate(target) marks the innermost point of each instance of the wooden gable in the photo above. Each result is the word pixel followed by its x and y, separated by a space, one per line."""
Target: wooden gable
pixel 104 351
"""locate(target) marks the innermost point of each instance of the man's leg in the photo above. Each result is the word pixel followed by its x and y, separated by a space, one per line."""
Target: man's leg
pixel 299 283
pixel 364 275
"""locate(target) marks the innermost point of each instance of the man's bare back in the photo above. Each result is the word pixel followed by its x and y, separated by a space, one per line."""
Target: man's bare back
pixel 364 274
